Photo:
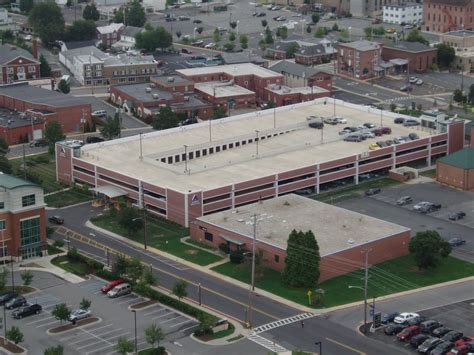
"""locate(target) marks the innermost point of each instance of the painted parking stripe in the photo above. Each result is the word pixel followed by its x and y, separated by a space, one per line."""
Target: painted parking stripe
pixel 91 344
pixel 99 350
pixel 171 319
pixel 46 324
pixel 116 336
pixel 164 315
pixel 132 300
pixel 155 311
pixel 101 334
pixel 39 320
pixel 186 321
pixel 86 338
pixel 101 327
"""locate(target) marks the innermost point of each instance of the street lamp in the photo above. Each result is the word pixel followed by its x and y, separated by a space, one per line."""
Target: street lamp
pixel 320 343
pixel 144 225
pixel 199 293
pixel 135 318
pixel 238 21
pixel 365 303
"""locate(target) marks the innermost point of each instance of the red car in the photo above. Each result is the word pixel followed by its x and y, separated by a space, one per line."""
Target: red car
pixel 464 349
pixel 408 332
pixel 386 130
pixel 110 285
pixel 464 340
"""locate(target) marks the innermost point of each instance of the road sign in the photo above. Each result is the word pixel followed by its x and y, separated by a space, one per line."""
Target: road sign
pixel 377 320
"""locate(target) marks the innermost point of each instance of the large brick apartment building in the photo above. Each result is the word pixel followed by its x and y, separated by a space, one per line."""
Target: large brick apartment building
pixel 447 15
pixel 359 59
pixel 17 64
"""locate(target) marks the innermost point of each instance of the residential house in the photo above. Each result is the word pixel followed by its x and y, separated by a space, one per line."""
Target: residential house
pixel 127 39
pixel 18 64
pixel 298 75
pixel 359 59
pixel 310 54
pixel 405 13
pixel 108 35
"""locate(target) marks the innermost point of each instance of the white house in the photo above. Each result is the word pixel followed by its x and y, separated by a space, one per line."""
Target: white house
pixel 4 19
pixel 154 5
pixel 408 13
pixel 127 39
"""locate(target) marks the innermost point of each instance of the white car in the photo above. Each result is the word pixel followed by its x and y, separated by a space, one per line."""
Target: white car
pixel 340 119
pixel 28 37
pixel 413 79
pixel 421 205
pixel 419 82
pixel 79 314
pixel 210 45
pixel 404 317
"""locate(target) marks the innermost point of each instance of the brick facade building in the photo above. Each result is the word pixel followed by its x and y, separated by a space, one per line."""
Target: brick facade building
pixel 359 59
pixel 110 34
pixel 17 64
pixel 447 15
pixel 298 75
pixel 420 56
pixel 457 169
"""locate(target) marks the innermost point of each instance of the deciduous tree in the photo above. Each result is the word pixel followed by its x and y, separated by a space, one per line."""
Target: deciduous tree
pixel 153 335
pixel 415 36
pixel 47 21
pixel 446 55
pixel 53 133
pixel 90 12
pixel 61 312
pixel 27 277
pixel 129 219
pixel 315 17
pixel 132 15
pixel 244 40
pixel 124 346
pixel 54 350
pixel 26 6
pixel 85 304
pixel 45 69
pixel 81 30
pixel 3 277
pixel 165 119
pixel 180 289
pixel 428 248
pixel 64 87
pixel 111 128
pixel 153 38
pixel 15 335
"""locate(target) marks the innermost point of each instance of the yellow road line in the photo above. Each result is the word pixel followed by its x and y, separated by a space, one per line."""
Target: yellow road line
pixel 346 346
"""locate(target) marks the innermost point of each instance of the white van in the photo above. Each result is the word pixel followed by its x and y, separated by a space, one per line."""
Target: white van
pixel 120 290
pixel 100 113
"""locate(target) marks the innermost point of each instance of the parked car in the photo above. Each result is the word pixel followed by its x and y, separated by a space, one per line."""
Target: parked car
pixel 330 120
pixel 198 43
pixel 15 302
pixel 416 321
pixel 38 143
pixel 452 336
pixel 386 130
pixel 428 345
pixel 367 134
pixel 56 219
pixel 464 340
pixel 186 51
pixel 369 125
pixel 120 290
pixel 5 297
pixel 344 131
pixel 340 119
pixel 417 340
pixel 406 88
pixel 316 124
pixel 398 120
pixel 79 314
pixel 391 30
pixel 404 200
pixel 382 144
pixel 429 325
pixel 377 132
pixel 420 205
pixel 442 348
pixel 413 136
pixel 413 79
pixel 455 242
pixel 456 215
pixel 409 332
pixel 352 129
pixel 93 139
pixel 26 311
pixel 393 329
pixel 389 142
pixel 440 331
pixel 261 14
pixel 197 21
pixel 464 349
pixel 184 18
pixel 408 27
pixel 419 82
pixel 370 192
pixel 411 122
pixel 110 285
pixel 402 318
pixel 389 317
pixel 373 146
pixel 170 19
pixel 210 45
pixel 354 138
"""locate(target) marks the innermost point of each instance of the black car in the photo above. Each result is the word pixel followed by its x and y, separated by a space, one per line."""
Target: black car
pixel 27 311
pixel 197 21
pixel 369 125
pixel 429 325
pixel 94 139
pixel 413 136
pixel 5 297
pixel 415 321
pixel 393 329
pixel 56 219
pixel 404 200
pixel 318 125
pixel 417 340
pixel 452 336
pixel 15 302
pixel 440 331
pixel 373 191
pixel 398 120
pixel 389 317
pixel 429 344
pixel 457 215
pixel 455 242
pixel 442 348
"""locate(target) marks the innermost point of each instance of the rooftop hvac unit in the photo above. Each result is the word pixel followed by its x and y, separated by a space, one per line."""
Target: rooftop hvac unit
pixel 286 90
pixel 170 79
pixel 186 98
pixel 148 89
pixel 153 85
pixel 155 96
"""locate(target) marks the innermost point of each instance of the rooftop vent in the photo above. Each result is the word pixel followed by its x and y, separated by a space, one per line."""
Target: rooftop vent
pixel 148 89
pixel 170 79
pixel 155 96
pixel 350 241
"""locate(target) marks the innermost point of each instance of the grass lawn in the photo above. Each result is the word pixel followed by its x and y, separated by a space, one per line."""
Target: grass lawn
pixel 67 198
pixel 41 169
pixel 53 250
pixel 224 333
pixel 429 173
pixel 352 191
pixel 199 244
pixel 163 235
pixel 76 267
pixel 400 274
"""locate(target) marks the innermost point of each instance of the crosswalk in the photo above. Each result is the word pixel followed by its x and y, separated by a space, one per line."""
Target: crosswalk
pixel 282 322
pixel 267 344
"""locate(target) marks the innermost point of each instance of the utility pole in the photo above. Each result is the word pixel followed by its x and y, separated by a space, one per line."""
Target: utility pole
pixel 252 283
pixel 256 143
pixel 366 280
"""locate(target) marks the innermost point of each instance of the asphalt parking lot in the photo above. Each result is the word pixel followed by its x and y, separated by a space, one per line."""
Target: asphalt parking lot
pixel 384 206
pixel 457 316
pixel 116 320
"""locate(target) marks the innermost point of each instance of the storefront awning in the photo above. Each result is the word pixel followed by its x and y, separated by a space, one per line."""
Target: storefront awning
pixel 109 191
pixel 233 241
pixel 398 61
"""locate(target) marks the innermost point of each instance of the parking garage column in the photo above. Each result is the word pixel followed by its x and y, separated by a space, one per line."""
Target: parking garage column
pixel 428 158
pixel 141 201
pixel 95 176
pixel 317 178
pixel 356 176
pixel 275 185
pixel 394 158
pixel 232 196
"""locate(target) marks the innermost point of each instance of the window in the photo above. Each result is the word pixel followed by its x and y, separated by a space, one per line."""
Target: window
pixel 98 74
pixel 31 69
pixel 3 251
pixel 10 70
pixel 98 67
pixel 28 200
pixel 277 258
pixel 30 231
pixel 2 205
pixel 3 225
pixel 208 236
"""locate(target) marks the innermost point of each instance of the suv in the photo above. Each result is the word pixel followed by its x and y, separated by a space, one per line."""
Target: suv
pixel 429 325
pixel 27 311
pixel 457 215
pixel 120 290
pixel 398 120
pixel 4 298
pixel 404 200
pixel 316 124
pixel 15 302
pixel 93 139
pixel 56 219
pixel 373 191
pixel 410 122
pixel 386 130
pixel 354 138
pixel 428 345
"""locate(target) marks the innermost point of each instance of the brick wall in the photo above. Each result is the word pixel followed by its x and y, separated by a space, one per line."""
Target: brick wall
pixel 447 17
pixel 14 135
pixel 419 62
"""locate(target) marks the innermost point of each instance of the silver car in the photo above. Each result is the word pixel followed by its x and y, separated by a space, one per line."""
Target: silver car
pixel 79 314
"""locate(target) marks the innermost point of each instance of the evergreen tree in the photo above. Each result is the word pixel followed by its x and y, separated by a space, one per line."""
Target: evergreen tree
pixel 64 87
pixel 90 12
pixel 45 69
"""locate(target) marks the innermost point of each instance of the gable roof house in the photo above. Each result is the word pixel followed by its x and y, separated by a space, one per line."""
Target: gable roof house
pixel 17 64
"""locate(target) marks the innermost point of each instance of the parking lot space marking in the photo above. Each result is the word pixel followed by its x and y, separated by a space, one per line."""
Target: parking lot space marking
pixel 108 332
pixel 95 336
pixel 155 311
pixel 46 324
pixel 116 336
pixel 90 344
pixel 171 319
pixel 101 327
pixel 161 316
pixel 98 350
pixel 39 320
pixel 186 321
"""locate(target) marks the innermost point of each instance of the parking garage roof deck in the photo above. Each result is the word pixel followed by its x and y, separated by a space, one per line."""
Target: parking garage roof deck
pixel 335 228
pixel 215 87
pixel 300 146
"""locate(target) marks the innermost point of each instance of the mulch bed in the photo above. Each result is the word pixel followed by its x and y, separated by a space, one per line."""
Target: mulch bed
pixel 69 326
pixel 11 347
pixel 143 304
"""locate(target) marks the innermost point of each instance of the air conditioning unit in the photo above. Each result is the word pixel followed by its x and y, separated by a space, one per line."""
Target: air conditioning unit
pixel 155 96
pixel 170 79
pixel 148 89
pixel 186 98
pixel 153 85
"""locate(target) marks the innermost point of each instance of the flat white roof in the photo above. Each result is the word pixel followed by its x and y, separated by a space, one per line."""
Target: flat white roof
pixel 231 69
pixel 335 228
pixel 298 148
pixel 222 90
pixel 305 90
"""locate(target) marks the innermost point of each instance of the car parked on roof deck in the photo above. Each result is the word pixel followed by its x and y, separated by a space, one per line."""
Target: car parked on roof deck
pixel 354 138
pixel 369 125
pixel 402 318
pixel 340 119
pixel 393 329
pixel 382 144
pixel 413 136
pixel 452 336
pixel 373 146
pixel 417 340
pixel 410 122
pixel 398 120
pixel 408 332
pixel 428 345
pixel 429 325
pixel 442 348
pixel 386 130
pixel 440 331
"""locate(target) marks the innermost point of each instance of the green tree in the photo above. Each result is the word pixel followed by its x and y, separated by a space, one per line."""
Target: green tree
pixel 134 269
pixel 292 48
pixel 153 335
pixel 5 165
pixel 45 69
pixel 458 96
pixel 379 31
pixel 53 133
pixel 61 312
pixel 268 36
pixel 308 29
pixel 180 289
pixel 178 34
pixel 47 21
pixel 153 38
pixel 368 31
pixel 3 274
pixel 148 277
pixel 27 277
pixel 315 18
pixel 64 87
pixel 302 260
pixel 262 44
pixel 124 346
pixel 415 36
pixel 15 335
pixel 199 30
pixel 446 55
pixel 129 219
pixel 264 23
pixel 232 37
pixel 229 46
pixel 119 266
pixel 244 40
pixel 26 6
pixel 165 119
pixel 216 36
pixel 85 304
pixel 282 32
pixel 335 27
pixel 134 15
pixel 3 146
pixel 90 12
pixel 81 30
pixel 320 32
pixel 428 248
pixel 219 112
pixel 233 25
pixel 111 128
pixel 54 350
pixel 393 107
pixel 344 33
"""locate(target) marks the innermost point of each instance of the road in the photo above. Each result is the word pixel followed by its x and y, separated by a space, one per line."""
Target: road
pixel 227 298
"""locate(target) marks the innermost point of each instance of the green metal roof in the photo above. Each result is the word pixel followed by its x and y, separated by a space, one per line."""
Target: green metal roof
pixel 12 182
pixel 463 158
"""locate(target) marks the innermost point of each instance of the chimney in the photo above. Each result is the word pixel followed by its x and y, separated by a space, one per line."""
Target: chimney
pixel 34 49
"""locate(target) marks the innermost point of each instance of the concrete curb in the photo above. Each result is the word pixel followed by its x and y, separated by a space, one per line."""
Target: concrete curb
pixel 25 351
pixel 99 320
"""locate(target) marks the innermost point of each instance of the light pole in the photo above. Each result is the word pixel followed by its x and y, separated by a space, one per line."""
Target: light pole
pixel 144 225
pixel 365 304
pixel 13 278
pixel 238 21
pixel 194 32
pixel 256 143
pixel 320 343
pixel 135 318
pixel 366 279
pixel 199 293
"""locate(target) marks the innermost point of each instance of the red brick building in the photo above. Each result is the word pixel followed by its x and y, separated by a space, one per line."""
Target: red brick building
pixel 447 15
pixel 285 95
pixel 17 64
pixel 16 128
pixel 359 59
pixel 46 105
pixel 457 169
pixel 420 57
pixel 22 219
pixel 110 34
pixel 342 235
